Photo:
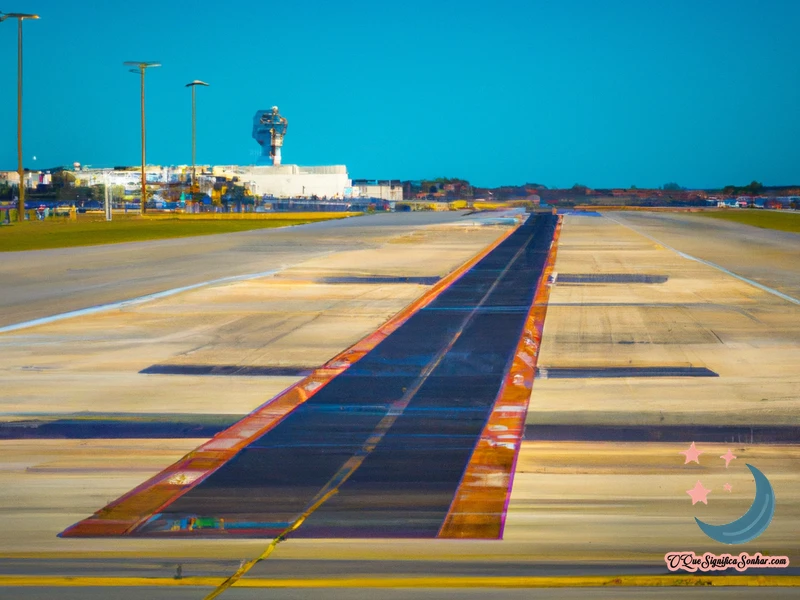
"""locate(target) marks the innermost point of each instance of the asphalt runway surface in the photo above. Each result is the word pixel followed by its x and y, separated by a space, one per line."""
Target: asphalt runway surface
pixel 439 373
pixel 41 283
pixel 298 569
pixel 767 256
pixel 568 507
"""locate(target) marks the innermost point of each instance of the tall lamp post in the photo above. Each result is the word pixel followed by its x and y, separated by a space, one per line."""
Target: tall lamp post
pixel 141 67
pixel 194 85
pixel 20 17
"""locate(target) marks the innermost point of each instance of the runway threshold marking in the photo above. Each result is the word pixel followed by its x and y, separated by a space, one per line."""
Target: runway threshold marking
pixel 415 582
pixel 133 509
pixel 479 506
pixel 760 286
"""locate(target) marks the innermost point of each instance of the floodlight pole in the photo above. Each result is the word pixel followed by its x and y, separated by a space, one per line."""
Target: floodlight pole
pixel 143 205
pixel 20 163
pixel 107 199
pixel 194 85
pixel 20 167
pixel 141 67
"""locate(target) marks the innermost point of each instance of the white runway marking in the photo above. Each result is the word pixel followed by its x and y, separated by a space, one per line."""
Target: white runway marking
pixel 769 290
pixel 133 301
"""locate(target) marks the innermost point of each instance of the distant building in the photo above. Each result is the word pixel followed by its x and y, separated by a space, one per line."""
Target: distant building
pixel 130 177
pixel 12 178
pixel 9 177
pixel 390 189
pixel 281 181
pixel 292 181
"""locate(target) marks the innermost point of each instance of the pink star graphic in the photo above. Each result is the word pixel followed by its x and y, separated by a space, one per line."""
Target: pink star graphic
pixel 698 493
pixel 691 454
pixel 728 456
pixel 727 487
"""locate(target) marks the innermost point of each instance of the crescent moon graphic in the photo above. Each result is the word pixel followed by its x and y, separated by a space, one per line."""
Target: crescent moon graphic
pixel 752 523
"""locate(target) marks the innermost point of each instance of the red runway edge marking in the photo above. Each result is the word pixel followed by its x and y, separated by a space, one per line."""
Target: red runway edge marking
pixel 127 513
pixel 480 503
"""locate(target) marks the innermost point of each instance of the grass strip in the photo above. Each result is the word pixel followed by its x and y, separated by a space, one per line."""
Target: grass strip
pixel 92 231
pixel 782 221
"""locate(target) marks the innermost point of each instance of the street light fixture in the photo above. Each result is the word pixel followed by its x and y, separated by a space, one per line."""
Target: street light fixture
pixel 20 17
pixel 141 67
pixel 194 85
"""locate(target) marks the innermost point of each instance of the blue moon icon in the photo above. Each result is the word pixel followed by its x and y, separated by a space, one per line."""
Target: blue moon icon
pixel 752 523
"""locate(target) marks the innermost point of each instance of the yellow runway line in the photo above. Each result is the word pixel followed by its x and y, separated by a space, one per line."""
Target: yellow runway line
pixel 61 581
pixel 416 582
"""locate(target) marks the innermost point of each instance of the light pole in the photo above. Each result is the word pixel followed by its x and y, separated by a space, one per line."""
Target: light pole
pixel 141 67
pixel 20 17
pixel 107 200
pixel 194 85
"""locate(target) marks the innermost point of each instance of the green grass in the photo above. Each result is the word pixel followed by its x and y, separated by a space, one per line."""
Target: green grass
pixel 780 220
pixel 91 230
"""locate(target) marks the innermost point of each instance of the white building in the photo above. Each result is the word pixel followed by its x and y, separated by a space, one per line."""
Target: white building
pixel 132 177
pixel 290 181
pixel 32 178
pixel 282 181
pixel 391 190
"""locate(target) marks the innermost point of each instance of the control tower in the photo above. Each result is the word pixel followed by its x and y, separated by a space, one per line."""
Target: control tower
pixel 269 127
pixel 268 177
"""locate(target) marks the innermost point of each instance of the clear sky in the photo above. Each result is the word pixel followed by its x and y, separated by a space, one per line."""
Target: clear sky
pixel 599 92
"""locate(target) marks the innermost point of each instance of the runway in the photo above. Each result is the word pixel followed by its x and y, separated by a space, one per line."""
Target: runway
pixel 766 256
pixel 584 500
pixel 42 283
pixel 190 592
pixel 391 435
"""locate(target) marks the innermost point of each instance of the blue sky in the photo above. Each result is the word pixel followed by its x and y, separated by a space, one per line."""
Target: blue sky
pixel 604 93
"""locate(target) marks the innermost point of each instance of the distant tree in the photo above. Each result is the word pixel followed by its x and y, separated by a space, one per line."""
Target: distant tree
pixel 233 195
pixel 755 187
pixel 672 187
pixel 99 192
pixel 62 179
pixel 432 189
pixel 633 187
pixel 729 190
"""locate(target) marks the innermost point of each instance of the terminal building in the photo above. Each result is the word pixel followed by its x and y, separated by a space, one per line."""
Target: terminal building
pixel 268 178
pixel 279 181
pixel 290 181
